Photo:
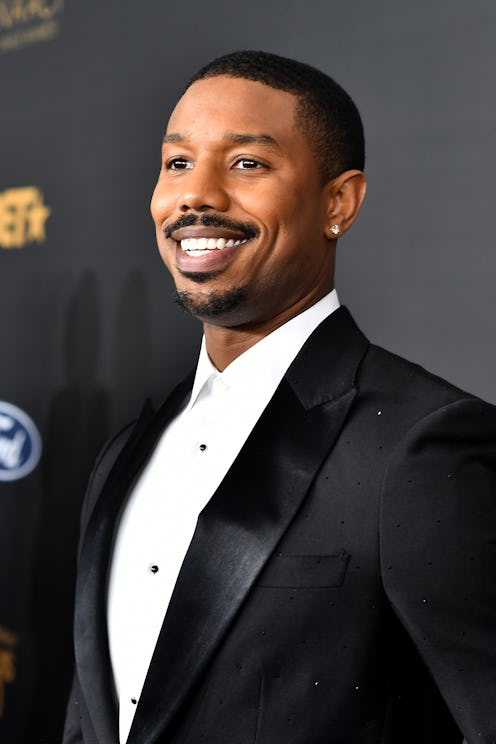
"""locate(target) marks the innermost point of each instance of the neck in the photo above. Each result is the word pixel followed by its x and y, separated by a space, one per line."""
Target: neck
pixel 225 344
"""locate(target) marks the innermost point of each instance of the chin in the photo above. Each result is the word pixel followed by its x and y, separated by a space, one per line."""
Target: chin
pixel 214 306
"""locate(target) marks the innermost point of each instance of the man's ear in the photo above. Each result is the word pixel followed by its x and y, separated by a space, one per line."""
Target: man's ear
pixel 345 195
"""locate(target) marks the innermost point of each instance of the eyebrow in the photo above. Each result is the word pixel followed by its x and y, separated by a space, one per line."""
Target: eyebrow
pixel 173 138
pixel 239 138
pixel 247 139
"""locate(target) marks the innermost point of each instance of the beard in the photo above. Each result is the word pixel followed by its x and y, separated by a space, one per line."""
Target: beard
pixel 211 306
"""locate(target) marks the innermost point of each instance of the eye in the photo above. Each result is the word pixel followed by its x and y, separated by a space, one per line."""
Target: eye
pixel 178 164
pixel 247 164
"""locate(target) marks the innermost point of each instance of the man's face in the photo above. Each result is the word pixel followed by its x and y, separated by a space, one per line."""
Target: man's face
pixel 239 207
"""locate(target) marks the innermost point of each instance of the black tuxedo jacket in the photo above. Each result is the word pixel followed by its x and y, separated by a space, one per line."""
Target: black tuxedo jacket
pixel 340 587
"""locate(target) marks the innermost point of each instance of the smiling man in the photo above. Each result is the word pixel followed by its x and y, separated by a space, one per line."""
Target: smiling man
pixel 241 195
pixel 299 547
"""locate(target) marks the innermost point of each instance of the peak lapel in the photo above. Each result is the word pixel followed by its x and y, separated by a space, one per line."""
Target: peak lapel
pixel 90 625
pixel 247 516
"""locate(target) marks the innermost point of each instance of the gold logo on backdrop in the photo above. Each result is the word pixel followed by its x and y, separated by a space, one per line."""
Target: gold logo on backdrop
pixel 8 642
pixel 25 22
pixel 22 217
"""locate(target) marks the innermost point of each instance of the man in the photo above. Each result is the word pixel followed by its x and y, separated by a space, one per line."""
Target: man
pixel 299 546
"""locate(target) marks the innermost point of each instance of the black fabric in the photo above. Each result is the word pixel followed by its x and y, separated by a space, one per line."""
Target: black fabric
pixel 373 483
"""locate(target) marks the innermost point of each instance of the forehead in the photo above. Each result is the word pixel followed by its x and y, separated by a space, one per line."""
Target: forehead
pixel 237 105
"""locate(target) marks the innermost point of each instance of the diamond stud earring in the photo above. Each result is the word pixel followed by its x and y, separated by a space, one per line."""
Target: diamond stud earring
pixel 335 229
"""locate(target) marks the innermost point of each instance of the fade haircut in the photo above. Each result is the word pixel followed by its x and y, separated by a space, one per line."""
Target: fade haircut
pixel 325 114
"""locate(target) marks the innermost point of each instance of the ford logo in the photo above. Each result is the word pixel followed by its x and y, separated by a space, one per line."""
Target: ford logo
pixel 20 443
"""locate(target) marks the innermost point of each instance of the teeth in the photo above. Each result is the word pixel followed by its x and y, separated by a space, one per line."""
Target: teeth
pixel 201 246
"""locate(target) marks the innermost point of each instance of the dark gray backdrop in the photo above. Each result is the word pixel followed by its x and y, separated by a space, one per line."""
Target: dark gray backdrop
pixel 87 325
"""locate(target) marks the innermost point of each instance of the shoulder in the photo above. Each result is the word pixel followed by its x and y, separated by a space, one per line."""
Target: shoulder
pixel 437 460
pixel 132 443
pixel 437 426
pixel 103 465
pixel 410 398
pixel 389 372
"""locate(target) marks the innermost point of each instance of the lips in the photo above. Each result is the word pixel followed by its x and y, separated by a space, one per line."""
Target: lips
pixel 208 231
pixel 207 243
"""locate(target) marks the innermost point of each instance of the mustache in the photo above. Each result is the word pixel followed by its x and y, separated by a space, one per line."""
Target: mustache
pixel 247 229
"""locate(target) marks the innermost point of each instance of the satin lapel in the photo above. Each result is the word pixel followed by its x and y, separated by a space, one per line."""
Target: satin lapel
pixel 90 626
pixel 241 525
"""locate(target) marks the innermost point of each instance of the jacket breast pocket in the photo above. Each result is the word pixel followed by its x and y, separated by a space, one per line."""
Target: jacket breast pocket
pixel 305 571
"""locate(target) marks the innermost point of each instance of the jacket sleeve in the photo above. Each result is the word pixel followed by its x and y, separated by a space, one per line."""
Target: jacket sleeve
pixel 101 470
pixel 438 555
pixel 104 463
pixel 72 729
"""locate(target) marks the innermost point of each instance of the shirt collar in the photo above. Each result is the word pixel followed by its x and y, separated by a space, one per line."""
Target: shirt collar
pixel 264 364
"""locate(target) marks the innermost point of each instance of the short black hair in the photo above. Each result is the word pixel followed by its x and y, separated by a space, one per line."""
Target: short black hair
pixel 325 113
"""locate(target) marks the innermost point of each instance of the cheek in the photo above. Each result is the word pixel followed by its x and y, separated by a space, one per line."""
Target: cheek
pixel 166 258
pixel 160 204
pixel 164 246
pixel 287 207
pixel 265 198
pixel 154 207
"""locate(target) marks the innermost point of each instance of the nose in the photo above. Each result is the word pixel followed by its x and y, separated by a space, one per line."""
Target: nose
pixel 202 189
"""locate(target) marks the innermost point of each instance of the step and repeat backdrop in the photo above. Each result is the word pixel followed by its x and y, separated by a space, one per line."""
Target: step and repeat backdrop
pixel 87 324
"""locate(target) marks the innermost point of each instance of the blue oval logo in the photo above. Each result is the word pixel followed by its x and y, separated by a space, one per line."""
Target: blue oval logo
pixel 20 443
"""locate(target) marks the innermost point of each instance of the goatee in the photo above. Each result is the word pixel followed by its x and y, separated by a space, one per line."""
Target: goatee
pixel 212 305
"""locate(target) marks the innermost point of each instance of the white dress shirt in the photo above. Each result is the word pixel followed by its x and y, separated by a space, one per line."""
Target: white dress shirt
pixel 188 464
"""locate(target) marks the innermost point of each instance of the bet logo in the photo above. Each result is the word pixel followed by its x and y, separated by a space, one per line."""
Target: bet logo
pixel 23 215
pixel 20 443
